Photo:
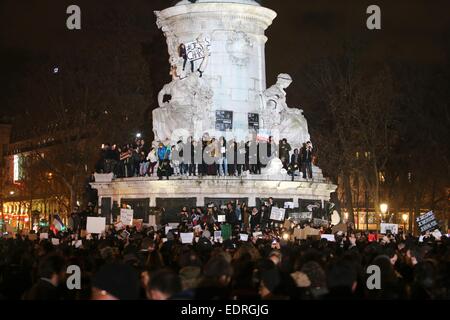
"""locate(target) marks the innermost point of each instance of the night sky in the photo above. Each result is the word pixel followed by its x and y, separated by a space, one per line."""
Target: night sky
pixel 413 32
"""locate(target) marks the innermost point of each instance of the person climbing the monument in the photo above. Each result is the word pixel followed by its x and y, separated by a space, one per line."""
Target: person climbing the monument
pixel 182 52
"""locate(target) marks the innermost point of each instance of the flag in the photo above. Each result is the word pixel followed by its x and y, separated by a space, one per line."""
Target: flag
pixel 57 224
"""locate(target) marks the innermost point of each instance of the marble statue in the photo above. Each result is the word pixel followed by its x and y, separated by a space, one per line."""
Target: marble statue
pixel 184 106
pixel 278 118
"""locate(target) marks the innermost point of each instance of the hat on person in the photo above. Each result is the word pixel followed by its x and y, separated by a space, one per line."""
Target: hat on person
pixel 119 280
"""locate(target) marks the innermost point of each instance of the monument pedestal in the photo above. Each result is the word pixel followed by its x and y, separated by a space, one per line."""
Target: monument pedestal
pixel 199 191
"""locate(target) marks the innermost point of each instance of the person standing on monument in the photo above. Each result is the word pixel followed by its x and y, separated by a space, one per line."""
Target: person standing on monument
pixel 182 52
pixel 285 148
pixel 306 158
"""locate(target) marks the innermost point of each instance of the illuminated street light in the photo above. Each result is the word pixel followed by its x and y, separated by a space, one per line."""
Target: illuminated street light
pixel 405 217
pixel 384 208
pixel 11 193
pixel 138 135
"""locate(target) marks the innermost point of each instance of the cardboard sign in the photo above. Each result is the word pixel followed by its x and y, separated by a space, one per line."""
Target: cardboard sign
pixel 329 237
pixel 243 237
pixel 299 234
pixel 43 236
pixel 287 224
pixel 221 218
pixel 341 227
pixel 126 216
pixel 96 225
pixel 289 205
pixel 427 222
pixel 388 228
pixel 277 214
pixel 55 241
pixel 187 238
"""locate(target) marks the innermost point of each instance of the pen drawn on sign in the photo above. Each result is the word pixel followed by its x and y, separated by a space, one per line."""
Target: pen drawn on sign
pixel 196 50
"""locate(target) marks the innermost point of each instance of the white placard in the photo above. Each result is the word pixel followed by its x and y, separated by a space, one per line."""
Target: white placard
pixel 257 234
pixel 217 235
pixel 96 225
pixel 221 218
pixel 187 238
pixel 126 216
pixel 329 237
pixel 77 243
pixel 174 225
pixel 167 229
pixel 43 236
pixel 385 227
pixel 289 205
pixel 119 226
pixel 55 241
pixel 243 237
pixel 421 239
pixel 277 214
pixel 436 234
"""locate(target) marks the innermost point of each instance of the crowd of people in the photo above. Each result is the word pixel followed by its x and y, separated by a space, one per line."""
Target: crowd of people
pixel 258 259
pixel 208 157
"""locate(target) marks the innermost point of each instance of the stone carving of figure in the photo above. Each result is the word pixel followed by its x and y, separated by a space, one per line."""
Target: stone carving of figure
pixel 183 104
pixel 282 121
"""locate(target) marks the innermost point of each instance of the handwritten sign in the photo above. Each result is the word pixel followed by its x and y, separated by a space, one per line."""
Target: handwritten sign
pixel 187 238
pixel 329 237
pixel 55 241
pixel 221 218
pixel 195 50
pixel 277 214
pixel 96 225
pixel 43 236
pixel 126 216
pixel 289 205
pixel 388 228
pixel 243 237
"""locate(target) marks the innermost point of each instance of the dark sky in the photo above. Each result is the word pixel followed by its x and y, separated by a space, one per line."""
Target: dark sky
pixel 414 32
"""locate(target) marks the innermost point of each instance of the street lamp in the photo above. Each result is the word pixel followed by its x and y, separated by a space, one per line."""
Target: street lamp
pixel 11 193
pixel 405 218
pixel 138 135
pixel 383 208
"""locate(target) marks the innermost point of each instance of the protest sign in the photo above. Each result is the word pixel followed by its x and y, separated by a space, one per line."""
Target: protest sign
pixel 126 216
pixel 243 237
pixel 226 231
pixel 329 237
pixel 341 227
pixel 119 226
pixel 437 234
pixel 187 238
pixel 277 214
pixel 43 236
pixel 174 225
pixel 78 243
pixel 217 235
pixel 299 234
pixel 289 205
pixel 55 241
pixel 287 224
pixel 257 234
pixel 427 222
pixel 388 228
pixel 308 231
pixel 96 225
pixel 320 223
pixel 221 218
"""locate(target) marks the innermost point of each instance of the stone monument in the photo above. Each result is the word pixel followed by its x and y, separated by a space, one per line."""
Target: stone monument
pixel 218 88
